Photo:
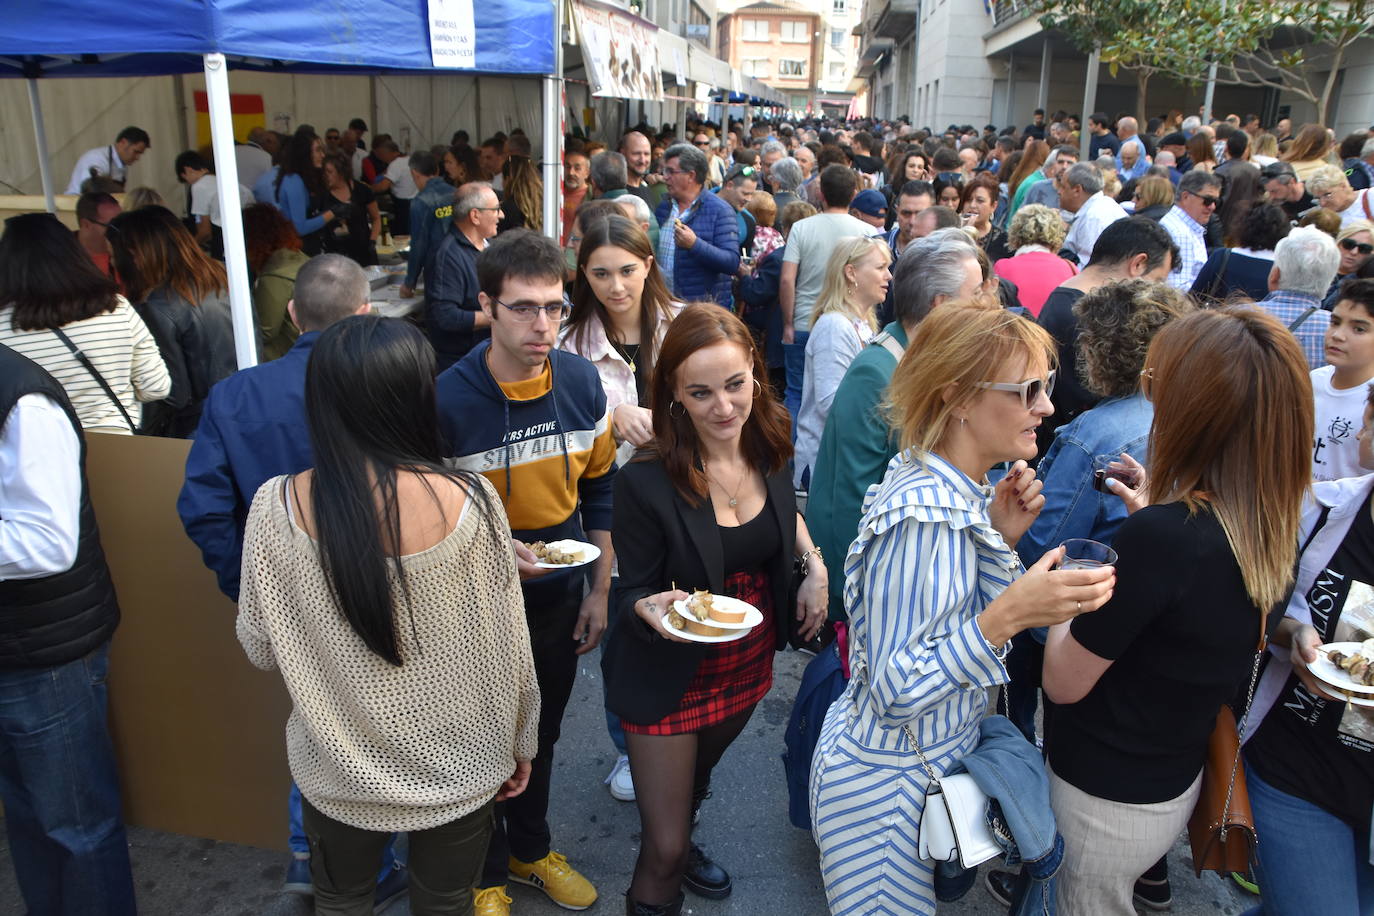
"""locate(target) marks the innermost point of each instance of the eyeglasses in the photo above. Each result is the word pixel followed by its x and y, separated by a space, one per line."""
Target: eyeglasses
pixel 1029 390
pixel 1207 200
pixel 1361 247
pixel 701 142
pixel 1147 377
pixel 495 209
pixel 525 313
pixel 669 170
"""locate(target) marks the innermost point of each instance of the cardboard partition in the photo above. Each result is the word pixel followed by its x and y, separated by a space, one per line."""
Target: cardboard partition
pixel 198 731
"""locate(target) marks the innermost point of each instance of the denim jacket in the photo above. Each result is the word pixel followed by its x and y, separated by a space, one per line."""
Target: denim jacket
pixel 1073 509
pixel 1012 772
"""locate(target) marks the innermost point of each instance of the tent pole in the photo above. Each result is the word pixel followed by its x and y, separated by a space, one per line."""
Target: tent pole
pixel 227 182
pixel 552 85
pixel 40 137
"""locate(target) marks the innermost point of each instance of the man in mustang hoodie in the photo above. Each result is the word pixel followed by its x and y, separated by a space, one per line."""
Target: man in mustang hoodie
pixel 533 420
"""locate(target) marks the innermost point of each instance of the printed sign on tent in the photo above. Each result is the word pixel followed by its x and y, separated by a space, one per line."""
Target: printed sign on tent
pixel 620 51
pixel 452 34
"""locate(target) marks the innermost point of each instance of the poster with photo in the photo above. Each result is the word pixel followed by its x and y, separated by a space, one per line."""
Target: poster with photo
pixel 620 52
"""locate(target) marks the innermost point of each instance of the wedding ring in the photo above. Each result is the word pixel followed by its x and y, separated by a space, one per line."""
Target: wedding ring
pixel 1080 606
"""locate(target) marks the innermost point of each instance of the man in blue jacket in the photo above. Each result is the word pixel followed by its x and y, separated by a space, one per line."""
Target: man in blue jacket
pixel 453 319
pixel 253 428
pixel 431 213
pixel 698 236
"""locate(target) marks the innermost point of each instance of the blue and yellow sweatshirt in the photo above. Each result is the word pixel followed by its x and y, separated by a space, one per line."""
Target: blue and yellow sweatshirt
pixel 545 444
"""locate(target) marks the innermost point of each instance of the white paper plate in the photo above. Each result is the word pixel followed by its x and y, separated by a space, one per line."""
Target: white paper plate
pixel 752 615
pixel 1328 672
pixel 728 636
pixel 589 554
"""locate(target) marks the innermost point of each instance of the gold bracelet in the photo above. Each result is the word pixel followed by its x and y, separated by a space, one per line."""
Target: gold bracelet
pixel 806 559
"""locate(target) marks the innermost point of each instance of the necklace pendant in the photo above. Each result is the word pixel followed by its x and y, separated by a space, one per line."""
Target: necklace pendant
pixel 733 503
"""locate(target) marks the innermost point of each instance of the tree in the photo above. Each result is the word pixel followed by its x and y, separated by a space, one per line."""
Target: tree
pixel 1098 24
pixel 1281 44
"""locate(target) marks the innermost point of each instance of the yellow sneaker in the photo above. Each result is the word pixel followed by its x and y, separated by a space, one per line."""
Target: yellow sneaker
pixel 490 901
pixel 555 877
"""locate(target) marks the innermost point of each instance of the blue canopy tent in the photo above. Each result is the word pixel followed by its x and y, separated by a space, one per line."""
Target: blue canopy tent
pixel 59 38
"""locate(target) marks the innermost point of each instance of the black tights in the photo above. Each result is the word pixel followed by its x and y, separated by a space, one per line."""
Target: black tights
pixel 670 771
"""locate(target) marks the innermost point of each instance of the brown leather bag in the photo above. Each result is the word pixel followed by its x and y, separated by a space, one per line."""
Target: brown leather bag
pixel 1222 829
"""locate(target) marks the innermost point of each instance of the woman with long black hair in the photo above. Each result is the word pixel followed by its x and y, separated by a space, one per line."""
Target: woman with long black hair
pixel 384 587
pixel 299 184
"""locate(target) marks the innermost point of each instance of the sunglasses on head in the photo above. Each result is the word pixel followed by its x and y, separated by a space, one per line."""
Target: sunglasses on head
pixel 1029 390
pixel 1361 247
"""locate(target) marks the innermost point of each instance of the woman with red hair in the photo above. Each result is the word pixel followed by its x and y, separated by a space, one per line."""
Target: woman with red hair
pixel 274 257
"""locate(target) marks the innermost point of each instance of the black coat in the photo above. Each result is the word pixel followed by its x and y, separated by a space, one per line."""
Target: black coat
pixel 196 341
pixel 659 540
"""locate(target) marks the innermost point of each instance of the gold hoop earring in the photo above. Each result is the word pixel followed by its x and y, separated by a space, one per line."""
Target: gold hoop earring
pixel 758 388
pixel 671 405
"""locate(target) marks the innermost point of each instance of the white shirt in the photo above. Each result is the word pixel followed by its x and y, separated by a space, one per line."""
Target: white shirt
pixel 1339 415
pixel 402 182
pixel 205 199
pixel 1356 210
pixel 104 160
pixel 1097 213
pixel 253 162
pixel 40 489
pixel 359 157
pixel 835 340
pixel 809 245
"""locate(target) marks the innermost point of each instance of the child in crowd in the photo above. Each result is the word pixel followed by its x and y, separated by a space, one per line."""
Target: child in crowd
pixel 1340 386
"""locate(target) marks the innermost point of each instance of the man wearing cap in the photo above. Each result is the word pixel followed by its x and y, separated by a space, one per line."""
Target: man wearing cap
pixel 1177 144
pixel 870 207
pixel 740 182
pixel 1286 189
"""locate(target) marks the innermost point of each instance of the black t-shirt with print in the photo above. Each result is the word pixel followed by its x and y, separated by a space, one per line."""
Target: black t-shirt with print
pixel 1320 750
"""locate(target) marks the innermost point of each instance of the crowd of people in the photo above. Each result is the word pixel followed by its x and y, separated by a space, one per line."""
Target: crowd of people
pixel 878 383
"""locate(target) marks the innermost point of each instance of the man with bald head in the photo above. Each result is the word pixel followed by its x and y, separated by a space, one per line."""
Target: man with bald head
pixel 638 154
pixel 1130 167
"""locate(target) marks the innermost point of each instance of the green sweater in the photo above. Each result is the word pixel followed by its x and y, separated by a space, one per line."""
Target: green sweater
pixel 855 448
pixel 271 293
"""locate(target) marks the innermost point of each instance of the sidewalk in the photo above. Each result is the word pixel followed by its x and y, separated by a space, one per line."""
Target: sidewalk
pixel 744 826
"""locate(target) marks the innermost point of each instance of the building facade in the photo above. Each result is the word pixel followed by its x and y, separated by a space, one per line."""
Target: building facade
pixel 942 62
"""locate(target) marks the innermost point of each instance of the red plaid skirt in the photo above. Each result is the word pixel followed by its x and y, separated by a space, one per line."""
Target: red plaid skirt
pixel 732 676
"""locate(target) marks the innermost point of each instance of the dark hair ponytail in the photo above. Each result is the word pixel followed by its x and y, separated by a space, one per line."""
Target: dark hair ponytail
pixel 369 397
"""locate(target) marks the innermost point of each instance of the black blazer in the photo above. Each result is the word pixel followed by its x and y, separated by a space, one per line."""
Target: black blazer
pixel 659 539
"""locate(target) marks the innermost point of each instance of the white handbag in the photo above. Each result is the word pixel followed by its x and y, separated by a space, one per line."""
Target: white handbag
pixel 954 823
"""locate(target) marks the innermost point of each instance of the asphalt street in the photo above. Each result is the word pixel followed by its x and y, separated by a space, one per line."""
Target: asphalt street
pixel 744 826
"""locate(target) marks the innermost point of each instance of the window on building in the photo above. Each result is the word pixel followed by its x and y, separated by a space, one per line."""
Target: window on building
pixel 754 30
pixel 796 31
pixel 788 67
pixel 836 38
pixel 800 102
pixel 756 67
pixel 837 71
pixel 840 6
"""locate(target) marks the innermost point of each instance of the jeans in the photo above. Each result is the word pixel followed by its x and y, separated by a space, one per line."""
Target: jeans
pixel 794 362
pixel 390 860
pixel 522 826
pixel 616 732
pixel 1310 861
pixel 445 862
pixel 60 788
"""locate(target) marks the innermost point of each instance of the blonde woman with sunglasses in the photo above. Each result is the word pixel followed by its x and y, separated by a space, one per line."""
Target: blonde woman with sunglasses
pixel 934 593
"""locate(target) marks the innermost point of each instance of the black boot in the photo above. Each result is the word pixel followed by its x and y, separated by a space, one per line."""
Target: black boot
pixel 635 908
pixel 704 877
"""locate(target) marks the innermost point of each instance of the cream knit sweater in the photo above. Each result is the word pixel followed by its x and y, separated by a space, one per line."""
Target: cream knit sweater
pixel 391 748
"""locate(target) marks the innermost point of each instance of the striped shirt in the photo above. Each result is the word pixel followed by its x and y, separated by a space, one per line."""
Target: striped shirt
pixel 1191 239
pixel 121 348
pixel 925 563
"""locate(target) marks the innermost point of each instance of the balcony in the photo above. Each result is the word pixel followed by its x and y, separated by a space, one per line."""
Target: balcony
pixel 891 18
pixel 870 55
pixel 1005 12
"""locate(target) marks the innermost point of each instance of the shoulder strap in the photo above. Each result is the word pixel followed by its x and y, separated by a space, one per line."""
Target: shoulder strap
pixel 889 343
pixel 100 379
pixel 1303 317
